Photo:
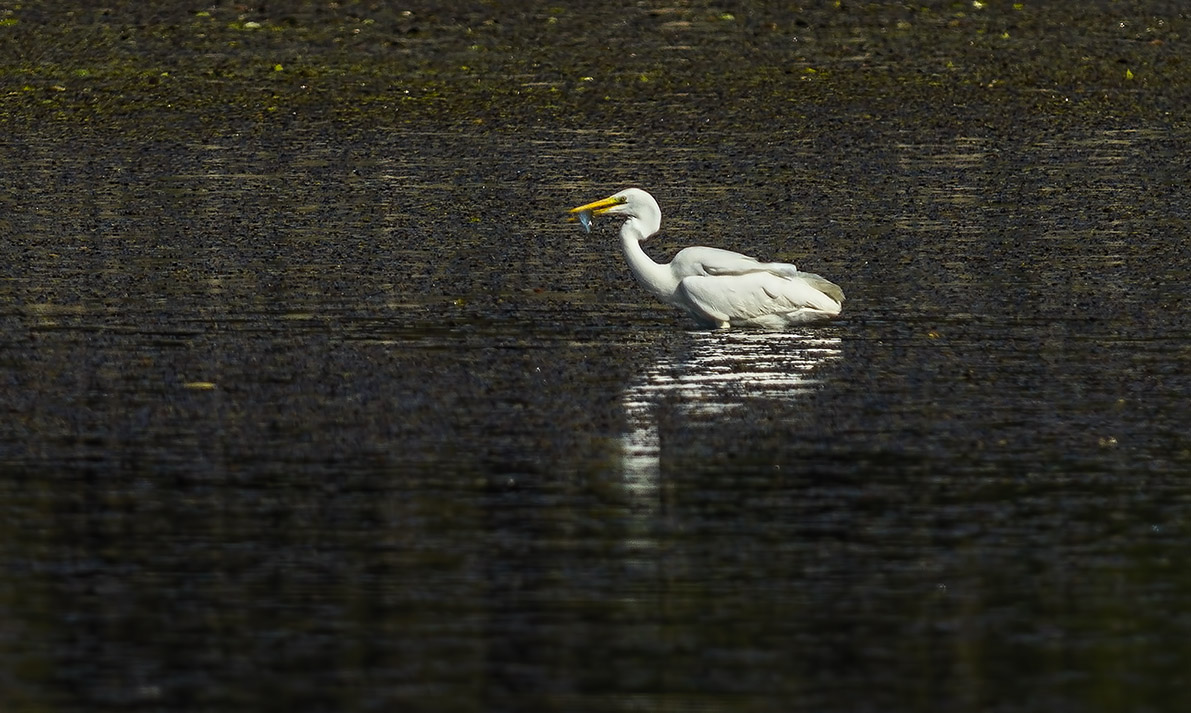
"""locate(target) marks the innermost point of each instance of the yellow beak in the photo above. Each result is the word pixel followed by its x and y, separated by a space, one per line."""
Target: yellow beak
pixel 597 208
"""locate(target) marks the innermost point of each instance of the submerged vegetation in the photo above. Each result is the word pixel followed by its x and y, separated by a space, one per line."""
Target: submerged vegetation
pixel 486 65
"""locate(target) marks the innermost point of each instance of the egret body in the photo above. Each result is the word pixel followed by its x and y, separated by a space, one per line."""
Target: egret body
pixel 720 288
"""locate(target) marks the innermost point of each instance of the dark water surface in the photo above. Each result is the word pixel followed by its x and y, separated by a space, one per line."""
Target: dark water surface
pixel 324 407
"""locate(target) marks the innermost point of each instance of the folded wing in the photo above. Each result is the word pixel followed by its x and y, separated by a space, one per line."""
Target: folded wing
pixel 713 261
pixel 759 297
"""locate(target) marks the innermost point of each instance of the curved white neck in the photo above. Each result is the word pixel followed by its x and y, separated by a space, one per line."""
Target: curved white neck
pixel 656 278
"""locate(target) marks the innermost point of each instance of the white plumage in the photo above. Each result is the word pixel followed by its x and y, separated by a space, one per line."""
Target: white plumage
pixel 720 288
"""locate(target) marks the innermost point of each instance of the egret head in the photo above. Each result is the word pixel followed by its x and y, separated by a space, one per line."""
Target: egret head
pixel 633 203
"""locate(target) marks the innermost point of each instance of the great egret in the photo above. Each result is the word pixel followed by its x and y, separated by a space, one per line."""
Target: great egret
pixel 719 287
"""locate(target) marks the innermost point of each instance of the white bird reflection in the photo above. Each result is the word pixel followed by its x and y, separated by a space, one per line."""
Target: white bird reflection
pixel 721 374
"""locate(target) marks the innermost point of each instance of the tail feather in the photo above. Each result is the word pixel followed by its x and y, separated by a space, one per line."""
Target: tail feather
pixel 822 284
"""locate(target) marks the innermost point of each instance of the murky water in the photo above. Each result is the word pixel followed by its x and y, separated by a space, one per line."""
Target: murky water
pixel 345 416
